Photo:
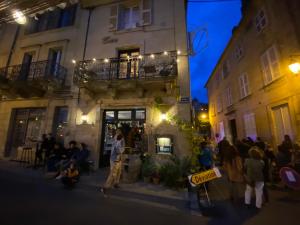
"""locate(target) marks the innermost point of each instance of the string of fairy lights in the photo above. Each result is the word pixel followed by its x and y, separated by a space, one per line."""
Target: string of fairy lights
pixel 140 57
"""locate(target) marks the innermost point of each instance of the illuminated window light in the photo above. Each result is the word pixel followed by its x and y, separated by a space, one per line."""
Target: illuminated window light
pixel 19 17
pixel 140 57
pixel 177 60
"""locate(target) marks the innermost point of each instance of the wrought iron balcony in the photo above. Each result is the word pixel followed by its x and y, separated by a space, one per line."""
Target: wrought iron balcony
pixel 147 67
pixel 31 80
pixel 35 71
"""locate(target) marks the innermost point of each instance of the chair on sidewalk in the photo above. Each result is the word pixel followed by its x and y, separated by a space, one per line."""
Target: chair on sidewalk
pixel 27 156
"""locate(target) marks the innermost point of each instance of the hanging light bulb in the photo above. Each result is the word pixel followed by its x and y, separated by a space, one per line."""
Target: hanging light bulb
pixel 165 53
pixel 19 17
pixel 152 56
pixel 140 57
pixel 94 59
pixel 73 61
pixel 106 60
pixel 178 52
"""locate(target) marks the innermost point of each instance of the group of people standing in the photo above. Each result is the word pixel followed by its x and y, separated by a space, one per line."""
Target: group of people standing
pixel 248 162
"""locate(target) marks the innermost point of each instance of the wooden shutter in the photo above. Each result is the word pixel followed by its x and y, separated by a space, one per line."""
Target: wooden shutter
pixel 146 12
pixel 250 125
pixel 266 68
pixel 113 19
pixel 274 62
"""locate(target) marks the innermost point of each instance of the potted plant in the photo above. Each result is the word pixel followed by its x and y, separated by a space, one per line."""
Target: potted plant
pixel 147 169
pixel 156 177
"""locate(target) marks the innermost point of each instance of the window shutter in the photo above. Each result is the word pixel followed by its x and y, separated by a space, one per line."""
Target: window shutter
pixel 113 19
pixel 274 62
pixel 146 12
pixel 266 68
pixel 250 125
pixel 242 86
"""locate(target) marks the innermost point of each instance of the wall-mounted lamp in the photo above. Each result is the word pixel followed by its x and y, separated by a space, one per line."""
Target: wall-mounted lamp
pixel 163 117
pixel 84 119
pixel 295 67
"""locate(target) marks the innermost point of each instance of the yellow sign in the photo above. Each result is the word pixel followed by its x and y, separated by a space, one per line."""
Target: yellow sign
pixel 200 178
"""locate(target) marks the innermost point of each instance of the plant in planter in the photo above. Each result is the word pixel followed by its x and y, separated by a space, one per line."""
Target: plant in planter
pixel 147 169
pixel 156 176
pixel 174 173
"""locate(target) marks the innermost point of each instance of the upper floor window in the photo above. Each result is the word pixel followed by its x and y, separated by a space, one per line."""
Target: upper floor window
pixel 130 14
pixel 260 20
pixel 244 85
pixel 218 78
pixel 212 109
pixel 219 104
pixel 228 95
pixel 270 65
pixel 238 52
pixel 225 69
pixel 129 17
pixel 51 20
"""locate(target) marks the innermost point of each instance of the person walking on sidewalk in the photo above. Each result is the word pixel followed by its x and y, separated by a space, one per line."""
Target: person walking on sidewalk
pixel 254 176
pixel 116 165
pixel 233 166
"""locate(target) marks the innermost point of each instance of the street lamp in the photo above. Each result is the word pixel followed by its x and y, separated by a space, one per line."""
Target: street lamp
pixel 203 116
pixel 295 67
pixel 19 17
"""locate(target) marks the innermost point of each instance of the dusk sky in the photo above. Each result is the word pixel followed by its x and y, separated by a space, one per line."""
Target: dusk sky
pixel 218 18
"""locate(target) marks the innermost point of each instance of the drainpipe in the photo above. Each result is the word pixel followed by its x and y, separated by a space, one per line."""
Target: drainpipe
pixel 12 49
pixel 85 44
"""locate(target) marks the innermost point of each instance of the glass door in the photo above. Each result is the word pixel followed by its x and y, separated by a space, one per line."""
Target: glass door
pixel 128 64
pixel 26 64
pixel 26 127
pixel 54 59
pixel 131 123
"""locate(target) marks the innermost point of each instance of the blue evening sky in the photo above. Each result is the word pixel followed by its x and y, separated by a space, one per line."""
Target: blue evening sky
pixel 218 19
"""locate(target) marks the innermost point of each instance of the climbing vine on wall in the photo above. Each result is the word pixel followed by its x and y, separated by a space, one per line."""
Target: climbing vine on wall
pixel 186 128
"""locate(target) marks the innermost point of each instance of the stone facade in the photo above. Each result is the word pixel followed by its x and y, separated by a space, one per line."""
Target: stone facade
pixel 91 38
pixel 251 91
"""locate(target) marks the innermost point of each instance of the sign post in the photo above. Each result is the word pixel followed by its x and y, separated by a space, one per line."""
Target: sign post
pixel 201 178
pixel 290 178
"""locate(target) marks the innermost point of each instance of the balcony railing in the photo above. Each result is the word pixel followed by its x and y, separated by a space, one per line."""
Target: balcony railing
pixel 137 67
pixel 41 70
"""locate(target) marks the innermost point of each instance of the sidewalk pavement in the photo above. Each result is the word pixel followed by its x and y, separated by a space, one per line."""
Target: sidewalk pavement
pixel 140 192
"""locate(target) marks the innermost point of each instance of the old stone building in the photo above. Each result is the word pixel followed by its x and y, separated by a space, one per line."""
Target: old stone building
pixel 80 70
pixel 251 91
